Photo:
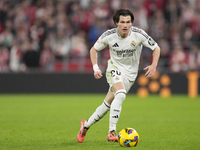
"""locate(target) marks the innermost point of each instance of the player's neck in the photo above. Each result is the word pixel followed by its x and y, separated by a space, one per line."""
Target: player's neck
pixel 124 35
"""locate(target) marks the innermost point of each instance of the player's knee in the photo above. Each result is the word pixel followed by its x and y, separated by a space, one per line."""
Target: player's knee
pixel 121 94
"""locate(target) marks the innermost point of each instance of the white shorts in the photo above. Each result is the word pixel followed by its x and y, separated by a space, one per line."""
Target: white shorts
pixel 114 75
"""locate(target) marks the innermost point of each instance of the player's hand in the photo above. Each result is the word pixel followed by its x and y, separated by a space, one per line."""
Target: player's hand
pixel 150 71
pixel 98 74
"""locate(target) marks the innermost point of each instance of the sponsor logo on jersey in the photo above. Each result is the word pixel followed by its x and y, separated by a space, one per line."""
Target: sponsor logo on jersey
pixel 125 53
pixel 133 44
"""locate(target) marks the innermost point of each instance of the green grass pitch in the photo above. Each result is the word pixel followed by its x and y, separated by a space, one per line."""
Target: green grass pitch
pixel 48 122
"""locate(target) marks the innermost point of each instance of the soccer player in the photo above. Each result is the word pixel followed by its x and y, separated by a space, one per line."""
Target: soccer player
pixel 125 45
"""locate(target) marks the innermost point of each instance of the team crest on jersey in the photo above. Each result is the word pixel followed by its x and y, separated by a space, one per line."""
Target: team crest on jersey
pixel 116 78
pixel 133 44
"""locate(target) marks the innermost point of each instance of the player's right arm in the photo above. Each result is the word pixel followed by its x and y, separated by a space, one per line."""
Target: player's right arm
pixel 100 44
pixel 93 57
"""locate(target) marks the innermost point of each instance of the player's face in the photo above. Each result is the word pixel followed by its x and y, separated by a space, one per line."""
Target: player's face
pixel 124 25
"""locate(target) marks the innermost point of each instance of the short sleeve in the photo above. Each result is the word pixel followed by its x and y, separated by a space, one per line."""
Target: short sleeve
pixel 101 43
pixel 147 41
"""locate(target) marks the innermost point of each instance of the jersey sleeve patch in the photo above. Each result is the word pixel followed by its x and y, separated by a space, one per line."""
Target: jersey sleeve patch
pixel 151 42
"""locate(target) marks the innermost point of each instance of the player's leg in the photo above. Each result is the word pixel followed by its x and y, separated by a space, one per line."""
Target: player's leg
pixel 101 110
pixel 120 87
pixel 116 106
pixel 96 116
pixel 115 109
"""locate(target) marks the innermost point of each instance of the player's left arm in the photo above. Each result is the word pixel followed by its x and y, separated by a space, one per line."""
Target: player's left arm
pixel 151 69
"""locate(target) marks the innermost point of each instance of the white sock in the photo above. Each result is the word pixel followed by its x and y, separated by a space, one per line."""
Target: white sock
pixel 98 114
pixel 115 109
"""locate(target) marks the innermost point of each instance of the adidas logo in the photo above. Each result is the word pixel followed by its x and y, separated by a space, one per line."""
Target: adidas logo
pixel 116 110
pixel 115 45
pixel 115 116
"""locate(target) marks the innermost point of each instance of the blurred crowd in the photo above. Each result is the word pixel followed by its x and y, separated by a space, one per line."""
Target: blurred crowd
pixel 49 35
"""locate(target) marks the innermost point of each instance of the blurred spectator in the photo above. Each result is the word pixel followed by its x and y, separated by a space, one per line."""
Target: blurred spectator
pixel 164 55
pixel 46 57
pixel 101 9
pixel 82 20
pixel 194 58
pixel 60 45
pixel 195 4
pixel 85 4
pixel 140 15
pixel 47 31
pixel 79 44
pixel 115 4
pixel 36 33
pixel 130 4
pixel 195 25
pixel 175 37
pixel 96 30
pixel 6 38
pixel 187 13
pixel 178 60
pixel 16 58
pixel 1 27
pixel 187 38
pixel 152 5
pixel 4 58
pixel 158 26
pixel 4 9
pixel 172 11
pixel 30 56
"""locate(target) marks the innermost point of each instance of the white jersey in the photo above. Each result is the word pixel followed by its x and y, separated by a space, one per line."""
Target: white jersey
pixel 125 52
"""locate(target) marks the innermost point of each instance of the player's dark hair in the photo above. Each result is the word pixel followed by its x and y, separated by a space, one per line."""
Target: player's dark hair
pixel 122 12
